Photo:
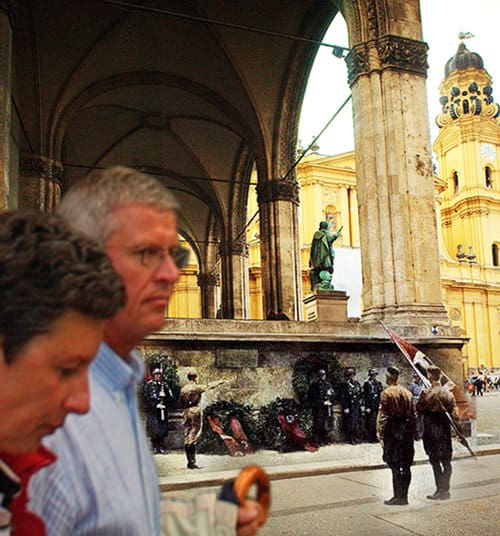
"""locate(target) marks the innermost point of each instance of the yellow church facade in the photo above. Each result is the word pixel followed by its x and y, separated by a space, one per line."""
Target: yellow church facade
pixel 467 185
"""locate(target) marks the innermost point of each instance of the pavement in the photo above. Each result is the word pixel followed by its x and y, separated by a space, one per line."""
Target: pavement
pixel 331 459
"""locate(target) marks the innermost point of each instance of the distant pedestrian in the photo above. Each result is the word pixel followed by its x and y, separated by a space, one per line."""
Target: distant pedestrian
pixel 434 403
pixel 479 384
pixel 396 428
pixel 351 399
pixel 372 388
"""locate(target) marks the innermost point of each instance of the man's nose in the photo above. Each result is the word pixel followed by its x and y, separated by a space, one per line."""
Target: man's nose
pixel 168 270
pixel 78 401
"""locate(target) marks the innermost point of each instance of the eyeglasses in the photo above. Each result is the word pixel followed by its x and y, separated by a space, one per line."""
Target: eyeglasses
pixel 152 257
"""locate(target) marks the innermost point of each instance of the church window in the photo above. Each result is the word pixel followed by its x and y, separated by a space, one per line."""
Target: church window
pixel 487 177
pixel 494 254
pixel 455 182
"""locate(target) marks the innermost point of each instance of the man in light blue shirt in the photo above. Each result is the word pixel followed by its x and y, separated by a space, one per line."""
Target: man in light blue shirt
pixel 104 481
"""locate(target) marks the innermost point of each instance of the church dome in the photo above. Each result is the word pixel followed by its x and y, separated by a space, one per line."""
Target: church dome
pixel 463 59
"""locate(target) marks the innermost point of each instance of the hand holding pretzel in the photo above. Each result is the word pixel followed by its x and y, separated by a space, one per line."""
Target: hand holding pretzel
pixel 250 475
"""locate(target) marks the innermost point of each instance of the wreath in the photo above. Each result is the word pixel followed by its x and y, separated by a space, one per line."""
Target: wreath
pixel 306 368
pixel 210 442
pixel 270 433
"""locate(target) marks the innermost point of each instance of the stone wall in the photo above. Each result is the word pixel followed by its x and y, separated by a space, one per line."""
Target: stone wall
pixel 257 357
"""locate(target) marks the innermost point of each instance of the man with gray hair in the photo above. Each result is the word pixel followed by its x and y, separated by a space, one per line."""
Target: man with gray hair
pixel 105 481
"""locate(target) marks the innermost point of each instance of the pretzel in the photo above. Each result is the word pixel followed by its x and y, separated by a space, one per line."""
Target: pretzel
pixel 250 475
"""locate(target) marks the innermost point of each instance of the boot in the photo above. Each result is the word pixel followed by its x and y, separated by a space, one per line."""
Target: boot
pixel 191 456
pixel 401 483
pixel 404 482
pixel 395 487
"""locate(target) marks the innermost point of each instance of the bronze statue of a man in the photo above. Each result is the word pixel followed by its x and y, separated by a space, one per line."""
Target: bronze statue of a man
pixel 322 257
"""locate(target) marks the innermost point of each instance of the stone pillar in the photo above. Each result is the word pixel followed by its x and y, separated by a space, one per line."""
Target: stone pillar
pixel 398 232
pixel 207 283
pixel 280 252
pixel 6 25
pixel 40 183
pixel 235 284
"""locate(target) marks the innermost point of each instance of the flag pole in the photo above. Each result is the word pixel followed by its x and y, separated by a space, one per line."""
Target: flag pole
pixel 425 380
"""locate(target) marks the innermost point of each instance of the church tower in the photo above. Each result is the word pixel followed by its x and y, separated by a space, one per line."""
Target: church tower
pixel 468 154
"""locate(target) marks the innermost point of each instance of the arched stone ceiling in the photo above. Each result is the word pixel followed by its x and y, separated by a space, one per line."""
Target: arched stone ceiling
pixel 96 83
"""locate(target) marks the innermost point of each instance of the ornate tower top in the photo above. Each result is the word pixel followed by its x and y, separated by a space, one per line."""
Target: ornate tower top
pixel 463 59
pixel 466 89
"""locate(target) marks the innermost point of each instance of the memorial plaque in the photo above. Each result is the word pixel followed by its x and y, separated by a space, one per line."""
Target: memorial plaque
pixel 237 358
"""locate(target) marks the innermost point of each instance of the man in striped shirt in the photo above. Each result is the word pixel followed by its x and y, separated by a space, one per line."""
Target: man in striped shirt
pixel 105 482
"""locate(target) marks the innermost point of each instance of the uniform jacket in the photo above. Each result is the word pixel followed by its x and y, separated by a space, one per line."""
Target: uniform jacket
pixel 396 425
pixel 433 403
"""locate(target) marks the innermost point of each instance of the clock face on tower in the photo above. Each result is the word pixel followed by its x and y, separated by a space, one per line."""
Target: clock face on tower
pixel 488 151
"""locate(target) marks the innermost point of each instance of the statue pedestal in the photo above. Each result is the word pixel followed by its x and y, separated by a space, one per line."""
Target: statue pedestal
pixel 326 305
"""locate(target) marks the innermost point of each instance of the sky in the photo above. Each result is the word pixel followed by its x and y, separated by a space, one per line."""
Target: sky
pixel 442 21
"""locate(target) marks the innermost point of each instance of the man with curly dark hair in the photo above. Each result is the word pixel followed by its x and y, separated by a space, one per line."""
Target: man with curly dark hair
pixel 56 289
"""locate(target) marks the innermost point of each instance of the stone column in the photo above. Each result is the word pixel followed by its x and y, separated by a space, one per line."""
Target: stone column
pixel 207 283
pixel 280 252
pixel 398 233
pixel 6 25
pixel 235 283
pixel 40 183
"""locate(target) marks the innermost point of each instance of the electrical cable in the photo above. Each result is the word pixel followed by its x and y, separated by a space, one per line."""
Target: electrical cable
pixel 294 165
pixel 204 20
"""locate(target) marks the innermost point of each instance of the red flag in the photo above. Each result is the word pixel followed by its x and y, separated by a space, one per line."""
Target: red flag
pixel 420 362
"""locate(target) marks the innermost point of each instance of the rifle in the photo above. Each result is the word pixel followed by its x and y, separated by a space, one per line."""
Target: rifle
pixel 419 363
pixel 161 406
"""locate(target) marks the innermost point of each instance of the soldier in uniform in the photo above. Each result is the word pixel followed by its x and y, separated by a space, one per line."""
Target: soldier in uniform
pixel 321 398
pixel 395 429
pixel 434 403
pixel 351 399
pixel 190 401
pixel 371 391
pixel 157 396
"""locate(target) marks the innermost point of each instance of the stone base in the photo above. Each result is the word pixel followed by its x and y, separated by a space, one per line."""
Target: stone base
pixel 327 305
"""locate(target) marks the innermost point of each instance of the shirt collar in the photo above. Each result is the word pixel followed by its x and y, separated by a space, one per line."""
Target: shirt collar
pixel 114 371
pixel 10 485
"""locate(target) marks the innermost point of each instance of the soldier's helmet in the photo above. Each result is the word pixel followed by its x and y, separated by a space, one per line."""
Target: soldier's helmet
pixel 350 372
pixel 156 371
pixel 372 371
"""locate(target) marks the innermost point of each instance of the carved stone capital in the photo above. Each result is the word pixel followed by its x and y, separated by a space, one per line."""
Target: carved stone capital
pixel 402 54
pixel 357 62
pixel 236 247
pixel 8 7
pixel 393 52
pixel 240 247
pixel 38 166
pixel 208 279
pixel 278 190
